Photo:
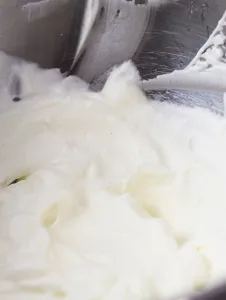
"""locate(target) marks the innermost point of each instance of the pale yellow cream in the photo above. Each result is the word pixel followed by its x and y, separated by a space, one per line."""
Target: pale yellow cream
pixel 117 197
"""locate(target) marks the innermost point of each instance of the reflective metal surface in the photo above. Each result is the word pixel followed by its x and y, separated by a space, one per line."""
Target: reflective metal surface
pixel 118 32
pixel 47 32
pixel 38 30
pixel 179 31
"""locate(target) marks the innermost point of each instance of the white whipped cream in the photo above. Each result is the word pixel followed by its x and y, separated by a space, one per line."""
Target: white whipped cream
pixel 119 198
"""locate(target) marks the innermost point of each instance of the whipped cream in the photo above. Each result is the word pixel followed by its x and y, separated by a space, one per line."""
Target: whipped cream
pixel 108 195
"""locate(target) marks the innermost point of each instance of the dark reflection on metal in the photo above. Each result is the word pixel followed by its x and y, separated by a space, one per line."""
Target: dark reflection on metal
pixel 38 30
pixel 70 48
pixel 218 293
pixel 139 1
pixel 178 33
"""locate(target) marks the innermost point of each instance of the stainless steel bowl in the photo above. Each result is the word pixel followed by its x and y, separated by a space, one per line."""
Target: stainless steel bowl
pixel 178 33
pixel 39 30
pixel 48 31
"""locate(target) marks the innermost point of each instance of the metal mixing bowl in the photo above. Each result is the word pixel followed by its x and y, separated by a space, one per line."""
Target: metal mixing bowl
pixel 178 33
pixel 47 32
pixel 38 30
pixel 159 41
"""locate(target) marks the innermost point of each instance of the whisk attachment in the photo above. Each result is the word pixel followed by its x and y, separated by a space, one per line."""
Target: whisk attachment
pixel 206 72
